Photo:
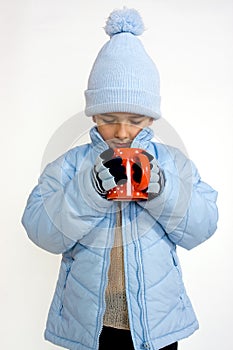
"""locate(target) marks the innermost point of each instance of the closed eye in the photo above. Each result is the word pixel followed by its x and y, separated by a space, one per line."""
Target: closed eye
pixel 136 121
pixel 108 121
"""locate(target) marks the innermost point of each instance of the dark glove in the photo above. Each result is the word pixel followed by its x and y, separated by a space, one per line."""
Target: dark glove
pixel 108 172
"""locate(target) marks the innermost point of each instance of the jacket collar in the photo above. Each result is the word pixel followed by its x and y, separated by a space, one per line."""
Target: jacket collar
pixel 142 140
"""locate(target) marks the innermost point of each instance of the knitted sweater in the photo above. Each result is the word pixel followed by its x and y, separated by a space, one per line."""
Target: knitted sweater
pixel 116 313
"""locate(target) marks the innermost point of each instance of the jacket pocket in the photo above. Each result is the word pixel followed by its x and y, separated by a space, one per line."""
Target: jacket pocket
pixel 176 264
pixel 68 264
pixel 175 260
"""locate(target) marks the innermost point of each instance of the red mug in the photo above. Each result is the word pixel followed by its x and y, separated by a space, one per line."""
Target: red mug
pixel 131 190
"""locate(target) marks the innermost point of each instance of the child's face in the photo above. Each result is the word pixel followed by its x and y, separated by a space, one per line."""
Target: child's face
pixel 119 129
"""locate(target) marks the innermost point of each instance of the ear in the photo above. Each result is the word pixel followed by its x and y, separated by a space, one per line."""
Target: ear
pixel 151 121
pixel 94 118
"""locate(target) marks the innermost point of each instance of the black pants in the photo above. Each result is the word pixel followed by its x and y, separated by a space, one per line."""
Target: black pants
pixel 112 338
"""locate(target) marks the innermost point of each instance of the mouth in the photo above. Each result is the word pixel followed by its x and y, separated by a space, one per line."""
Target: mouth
pixel 121 144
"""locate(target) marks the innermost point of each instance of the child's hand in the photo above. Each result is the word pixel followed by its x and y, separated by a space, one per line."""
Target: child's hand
pixel 156 184
pixel 108 172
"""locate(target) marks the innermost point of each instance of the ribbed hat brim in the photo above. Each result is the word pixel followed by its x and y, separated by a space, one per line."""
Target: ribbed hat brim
pixel 122 100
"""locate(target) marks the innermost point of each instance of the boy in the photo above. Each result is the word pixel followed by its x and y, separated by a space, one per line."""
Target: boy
pixel 120 283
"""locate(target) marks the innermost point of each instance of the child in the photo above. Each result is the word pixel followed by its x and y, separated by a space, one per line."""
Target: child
pixel 120 283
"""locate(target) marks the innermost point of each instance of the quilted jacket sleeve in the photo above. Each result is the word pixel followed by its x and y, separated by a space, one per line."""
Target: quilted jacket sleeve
pixel 186 209
pixel 63 207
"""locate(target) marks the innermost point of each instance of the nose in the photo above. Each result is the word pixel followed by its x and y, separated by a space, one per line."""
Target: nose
pixel 121 131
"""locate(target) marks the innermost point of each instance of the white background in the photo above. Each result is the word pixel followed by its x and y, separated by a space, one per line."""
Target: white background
pixel 47 49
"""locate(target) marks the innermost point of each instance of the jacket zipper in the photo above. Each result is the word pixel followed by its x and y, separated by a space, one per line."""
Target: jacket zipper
pixel 136 242
pixel 104 282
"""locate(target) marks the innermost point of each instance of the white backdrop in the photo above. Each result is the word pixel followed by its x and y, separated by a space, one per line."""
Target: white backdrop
pixel 47 49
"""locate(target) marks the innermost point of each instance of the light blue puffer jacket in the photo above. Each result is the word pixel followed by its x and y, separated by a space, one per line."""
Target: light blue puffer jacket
pixel 64 214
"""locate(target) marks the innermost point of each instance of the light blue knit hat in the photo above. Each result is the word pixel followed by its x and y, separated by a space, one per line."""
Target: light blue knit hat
pixel 123 78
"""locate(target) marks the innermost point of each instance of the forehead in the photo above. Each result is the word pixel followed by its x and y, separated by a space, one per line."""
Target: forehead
pixel 121 116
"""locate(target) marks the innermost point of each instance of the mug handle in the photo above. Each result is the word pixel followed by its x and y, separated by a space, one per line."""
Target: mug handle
pixel 145 167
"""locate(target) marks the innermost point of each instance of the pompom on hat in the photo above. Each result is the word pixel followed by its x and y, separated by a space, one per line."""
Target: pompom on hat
pixel 123 78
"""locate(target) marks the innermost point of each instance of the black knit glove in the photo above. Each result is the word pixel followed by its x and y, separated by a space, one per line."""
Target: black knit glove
pixel 108 172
